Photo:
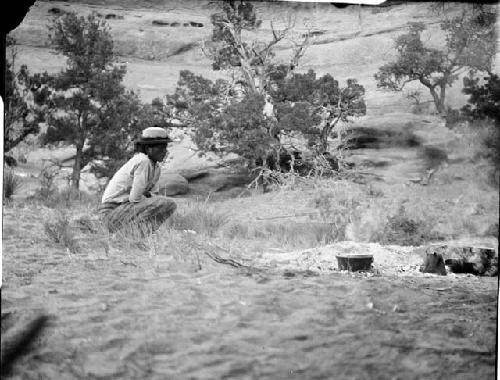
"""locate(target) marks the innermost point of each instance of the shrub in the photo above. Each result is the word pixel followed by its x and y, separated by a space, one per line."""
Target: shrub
pixel 339 205
pixel 480 139
pixel 134 235
pixel 65 197
pixel 368 226
pixel 491 143
pixel 453 117
pixel 47 177
pixel 402 229
pixel 11 183
pixel 57 227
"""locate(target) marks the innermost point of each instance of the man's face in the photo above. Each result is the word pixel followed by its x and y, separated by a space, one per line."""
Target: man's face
pixel 157 153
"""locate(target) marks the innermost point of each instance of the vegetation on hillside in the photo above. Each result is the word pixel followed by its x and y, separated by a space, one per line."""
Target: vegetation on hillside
pixel 90 102
pixel 85 104
pixel 470 40
pixel 25 95
pixel 484 105
pixel 268 103
pixel 266 106
pixel 250 61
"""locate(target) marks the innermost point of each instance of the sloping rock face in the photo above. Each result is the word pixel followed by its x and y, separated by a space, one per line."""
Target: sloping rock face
pixel 157 39
pixel 219 180
pixel 206 180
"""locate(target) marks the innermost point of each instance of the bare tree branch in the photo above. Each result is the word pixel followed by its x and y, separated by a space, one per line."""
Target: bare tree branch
pixel 205 50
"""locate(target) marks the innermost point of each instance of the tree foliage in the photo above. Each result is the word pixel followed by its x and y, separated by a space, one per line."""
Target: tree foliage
pixel 469 45
pixel 306 107
pixel 484 99
pixel 230 48
pixel 25 95
pixel 196 95
pixel 238 128
pixel 314 106
pixel 484 104
pixel 120 122
pixel 229 115
pixel 221 121
pixel 90 107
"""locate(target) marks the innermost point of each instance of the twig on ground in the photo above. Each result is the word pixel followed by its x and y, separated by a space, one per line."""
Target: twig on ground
pixel 128 263
pixel 285 216
pixel 221 260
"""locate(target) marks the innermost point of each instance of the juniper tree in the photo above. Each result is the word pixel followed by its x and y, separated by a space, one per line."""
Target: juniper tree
pixel 470 40
pixel 227 115
pixel 87 85
pixel 89 105
pixel 25 97
pixel 314 106
pixel 231 49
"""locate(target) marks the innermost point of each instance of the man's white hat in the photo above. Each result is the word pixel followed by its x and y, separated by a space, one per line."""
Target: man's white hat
pixel 153 135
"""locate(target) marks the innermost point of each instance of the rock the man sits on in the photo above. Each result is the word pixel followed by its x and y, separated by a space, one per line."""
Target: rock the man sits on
pixel 131 197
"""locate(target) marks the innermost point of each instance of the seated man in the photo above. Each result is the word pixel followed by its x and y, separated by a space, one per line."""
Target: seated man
pixel 128 197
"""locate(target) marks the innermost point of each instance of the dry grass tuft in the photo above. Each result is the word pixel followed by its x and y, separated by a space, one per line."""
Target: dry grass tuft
pixel 402 229
pixel 201 217
pixel 288 234
pixel 57 227
pixel 11 183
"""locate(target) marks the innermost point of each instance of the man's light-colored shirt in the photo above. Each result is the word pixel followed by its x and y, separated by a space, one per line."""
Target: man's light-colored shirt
pixel 132 180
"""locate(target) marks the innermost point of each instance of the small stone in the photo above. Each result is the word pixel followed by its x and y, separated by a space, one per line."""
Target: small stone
pixel 172 184
pixel 398 309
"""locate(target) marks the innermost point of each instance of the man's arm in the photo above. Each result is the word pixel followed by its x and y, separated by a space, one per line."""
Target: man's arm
pixel 156 188
pixel 139 183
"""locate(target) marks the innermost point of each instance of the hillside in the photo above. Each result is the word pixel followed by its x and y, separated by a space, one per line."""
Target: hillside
pixel 157 39
pixel 160 38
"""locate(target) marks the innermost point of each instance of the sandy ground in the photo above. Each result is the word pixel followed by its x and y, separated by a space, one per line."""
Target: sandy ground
pixel 130 313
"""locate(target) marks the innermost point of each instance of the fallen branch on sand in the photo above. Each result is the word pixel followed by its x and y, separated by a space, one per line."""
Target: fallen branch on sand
pixel 218 259
pixel 286 216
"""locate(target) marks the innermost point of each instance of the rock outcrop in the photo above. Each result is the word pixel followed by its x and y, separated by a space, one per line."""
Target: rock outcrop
pixel 173 184
pixel 477 260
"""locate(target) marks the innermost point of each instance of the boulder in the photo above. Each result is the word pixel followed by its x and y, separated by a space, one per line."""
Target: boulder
pixel 477 260
pixel 204 180
pixel 219 181
pixel 434 263
pixel 173 184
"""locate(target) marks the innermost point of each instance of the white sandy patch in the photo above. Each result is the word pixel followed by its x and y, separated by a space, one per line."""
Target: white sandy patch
pixel 387 259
